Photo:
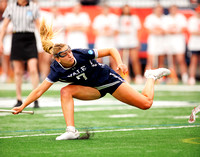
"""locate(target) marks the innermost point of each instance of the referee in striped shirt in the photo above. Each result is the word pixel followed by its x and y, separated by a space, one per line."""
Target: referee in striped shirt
pixel 24 15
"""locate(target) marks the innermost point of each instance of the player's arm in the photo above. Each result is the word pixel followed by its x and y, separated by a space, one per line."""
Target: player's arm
pixel 113 52
pixel 34 95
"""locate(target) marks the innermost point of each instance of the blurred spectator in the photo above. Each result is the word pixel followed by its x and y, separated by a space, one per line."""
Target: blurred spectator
pixel 105 27
pixel 24 15
pixel 155 42
pixel 59 25
pixel 44 58
pixel 77 24
pixel 6 66
pixel 175 24
pixel 5 56
pixel 194 44
pixel 128 42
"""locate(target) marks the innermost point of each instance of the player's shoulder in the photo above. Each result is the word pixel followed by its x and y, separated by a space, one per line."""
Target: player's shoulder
pixel 85 53
pixel 56 68
pixel 78 50
pixel 82 51
pixel 55 65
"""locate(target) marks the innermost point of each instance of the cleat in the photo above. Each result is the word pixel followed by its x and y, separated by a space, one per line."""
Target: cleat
pixel 19 103
pixel 36 104
pixel 157 73
pixel 69 135
pixel 193 114
pixel 192 117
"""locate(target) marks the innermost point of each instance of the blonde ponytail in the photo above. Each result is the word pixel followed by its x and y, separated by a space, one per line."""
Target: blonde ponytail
pixel 46 34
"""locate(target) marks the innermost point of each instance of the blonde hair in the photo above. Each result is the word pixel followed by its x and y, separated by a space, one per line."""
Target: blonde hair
pixel 46 34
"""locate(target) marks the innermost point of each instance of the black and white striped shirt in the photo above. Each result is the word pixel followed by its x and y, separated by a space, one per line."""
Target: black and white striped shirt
pixel 22 17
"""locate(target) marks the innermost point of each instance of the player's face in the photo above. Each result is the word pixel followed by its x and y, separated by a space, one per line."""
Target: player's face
pixel 126 10
pixel 158 10
pixel 173 10
pixel 66 57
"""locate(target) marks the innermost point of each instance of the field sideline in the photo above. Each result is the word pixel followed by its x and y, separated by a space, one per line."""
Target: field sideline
pixel 117 129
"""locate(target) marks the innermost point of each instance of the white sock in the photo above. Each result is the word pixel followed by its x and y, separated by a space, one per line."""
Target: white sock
pixel 71 128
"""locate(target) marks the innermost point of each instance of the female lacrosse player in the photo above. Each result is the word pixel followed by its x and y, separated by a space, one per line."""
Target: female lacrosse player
pixel 88 79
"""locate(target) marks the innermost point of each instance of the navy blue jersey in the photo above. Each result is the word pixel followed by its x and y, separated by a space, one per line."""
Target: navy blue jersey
pixel 86 71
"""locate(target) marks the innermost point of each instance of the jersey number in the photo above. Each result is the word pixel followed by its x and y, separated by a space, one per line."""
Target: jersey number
pixel 81 75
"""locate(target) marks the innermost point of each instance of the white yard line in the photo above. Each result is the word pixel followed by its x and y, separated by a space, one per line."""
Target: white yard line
pixel 55 102
pixel 58 86
pixel 103 131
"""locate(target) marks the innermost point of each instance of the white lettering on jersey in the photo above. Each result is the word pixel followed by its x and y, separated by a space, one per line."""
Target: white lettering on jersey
pixel 77 72
pixel 81 75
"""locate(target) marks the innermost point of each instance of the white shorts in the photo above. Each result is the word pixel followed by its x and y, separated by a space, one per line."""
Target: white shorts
pixel 175 44
pixel 7 44
pixel 127 41
pixel 155 45
pixel 104 42
pixel 77 40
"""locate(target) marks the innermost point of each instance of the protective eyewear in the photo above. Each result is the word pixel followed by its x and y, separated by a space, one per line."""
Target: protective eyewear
pixel 63 53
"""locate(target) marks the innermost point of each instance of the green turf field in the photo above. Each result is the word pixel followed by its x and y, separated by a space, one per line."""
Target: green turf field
pixel 117 129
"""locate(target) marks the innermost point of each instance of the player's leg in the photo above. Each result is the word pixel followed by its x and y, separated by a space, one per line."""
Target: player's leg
pixel 161 61
pixel 124 53
pixel 128 95
pixel 18 73
pixel 44 66
pixel 5 68
pixel 75 91
pixel 192 69
pixel 67 94
pixel 183 67
pixel 150 61
pixel 143 100
pixel 136 66
pixel 33 71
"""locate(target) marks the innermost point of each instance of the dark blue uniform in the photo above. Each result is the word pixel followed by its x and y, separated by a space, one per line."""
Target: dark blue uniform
pixel 86 71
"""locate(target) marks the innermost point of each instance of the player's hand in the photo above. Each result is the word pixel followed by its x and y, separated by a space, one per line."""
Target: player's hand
pixel 17 110
pixel 123 68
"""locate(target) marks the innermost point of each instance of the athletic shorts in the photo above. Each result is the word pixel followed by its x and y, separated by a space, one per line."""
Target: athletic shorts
pixel 111 84
pixel 7 44
pixel 23 46
pixel 195 52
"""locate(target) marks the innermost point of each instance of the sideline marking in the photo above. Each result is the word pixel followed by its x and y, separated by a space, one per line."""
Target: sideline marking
pixel 100 131
pixel 59 85
pixel 184 117
pixel 191 140
pixel 123 115
pixel 55 102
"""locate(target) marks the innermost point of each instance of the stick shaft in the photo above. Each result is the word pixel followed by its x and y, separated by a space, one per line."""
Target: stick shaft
pixel 12 111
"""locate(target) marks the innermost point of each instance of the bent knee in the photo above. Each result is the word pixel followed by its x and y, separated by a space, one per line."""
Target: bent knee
pixel 18 72
pixel 68 91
